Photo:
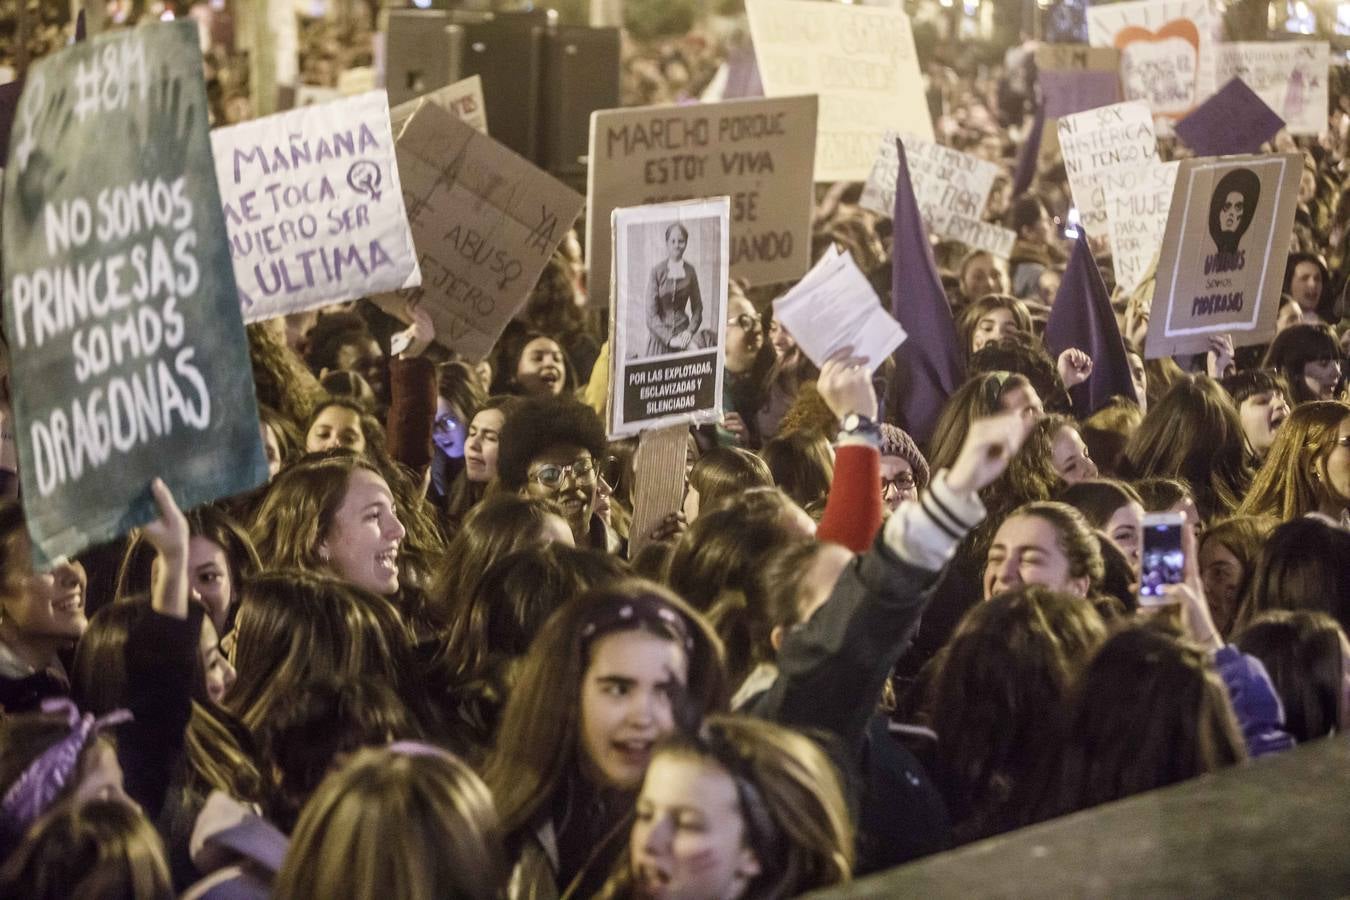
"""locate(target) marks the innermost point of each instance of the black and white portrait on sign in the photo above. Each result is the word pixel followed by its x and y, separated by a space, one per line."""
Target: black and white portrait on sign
pixel 670 278
pixel 675 269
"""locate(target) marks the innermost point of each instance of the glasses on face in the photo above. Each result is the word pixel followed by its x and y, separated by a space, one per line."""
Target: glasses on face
pixel 446 424
pixel 582 471
pixel 900 483
pixel 746 322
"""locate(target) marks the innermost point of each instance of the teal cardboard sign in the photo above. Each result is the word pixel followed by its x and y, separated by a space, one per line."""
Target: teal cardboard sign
pixel 128 353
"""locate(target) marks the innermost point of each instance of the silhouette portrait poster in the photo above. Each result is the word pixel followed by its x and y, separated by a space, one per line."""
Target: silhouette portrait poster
pixel 1223 255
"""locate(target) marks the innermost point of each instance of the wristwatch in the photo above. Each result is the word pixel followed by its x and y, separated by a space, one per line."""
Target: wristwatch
pixel 855 425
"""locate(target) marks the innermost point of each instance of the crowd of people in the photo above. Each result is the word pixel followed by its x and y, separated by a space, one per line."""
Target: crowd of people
pixel 430 657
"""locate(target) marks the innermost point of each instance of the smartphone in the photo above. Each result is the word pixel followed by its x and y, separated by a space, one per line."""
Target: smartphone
pixel 1163 560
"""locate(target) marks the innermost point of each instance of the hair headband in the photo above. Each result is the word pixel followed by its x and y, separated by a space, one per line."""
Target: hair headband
pixel 45 778
pixel 630 613
pixel 760 825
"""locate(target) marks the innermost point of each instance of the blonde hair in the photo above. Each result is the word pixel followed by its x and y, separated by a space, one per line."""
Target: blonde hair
pixel 404 822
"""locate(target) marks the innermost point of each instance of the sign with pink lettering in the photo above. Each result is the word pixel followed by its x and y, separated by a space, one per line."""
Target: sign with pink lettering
pixel 314 207
pixel 1223 254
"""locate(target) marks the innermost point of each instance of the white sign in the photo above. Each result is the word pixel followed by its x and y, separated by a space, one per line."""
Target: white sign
pixel 1098 142
pixel 463 100
pixel 860 61
pixel 835 307
pixel 1167 50
pixel 1290 76
pixel 1137 202
pixel 946 182
pixel 314 207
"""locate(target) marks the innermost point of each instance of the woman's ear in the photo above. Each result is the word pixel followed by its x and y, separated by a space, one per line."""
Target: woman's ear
pixel 747 866
pixel 776 637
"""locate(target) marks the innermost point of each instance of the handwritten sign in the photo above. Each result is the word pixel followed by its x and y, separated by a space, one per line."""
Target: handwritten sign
pixel 1167 50
pixel 1222 259
pixel 463 100
pixel 760 153
pixel 485 222
pixel 666 315
pixel 860 60
pixel 129 359
pixel 1100 141
pixel 951 187
pixel 313 205
pixel 1137 202
pixel 1290 76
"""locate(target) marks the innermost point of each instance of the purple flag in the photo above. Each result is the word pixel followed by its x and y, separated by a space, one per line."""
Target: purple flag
pixel 1082 318
pixel 1031 151
pixel 1235 120
pixel 929 364
pixel 743 79
pixel 81 31
pixel 9 104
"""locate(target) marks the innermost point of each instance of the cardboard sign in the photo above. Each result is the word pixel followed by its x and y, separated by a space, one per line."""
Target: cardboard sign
pixel 1166 47
pixel 948 184
pixel 659 486
pixel 1074 78
pixel 1137 202
pixel 485 222
pixel 1223 255
pixel 669 303
pixel 1290 76
pixel 128 356
pixel 313 205
pixel 463 100
pixel 1100 141
pixel 758 152
pixel 862 63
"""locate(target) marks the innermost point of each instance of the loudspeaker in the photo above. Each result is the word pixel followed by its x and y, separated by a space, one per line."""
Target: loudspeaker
pixel 580 75
pixel 422 53
pixel 507 53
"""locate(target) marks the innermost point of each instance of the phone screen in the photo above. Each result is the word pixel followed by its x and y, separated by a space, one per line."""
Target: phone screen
pixel 1163 560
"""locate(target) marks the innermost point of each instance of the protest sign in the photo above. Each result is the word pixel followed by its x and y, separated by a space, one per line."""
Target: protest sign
pixel 862 63
pixel 951 187
pixel 485 222
pixel 669 302
pixel 310 95
pixel 1073 78
pixel 1137 201
pixel 1223 255
pixel 1290 76
pixel 758 152
pixel 463 100
pixel 1166 47
pixel 660 467
pixel 313 206
pixel 834 308
pixel 1100 141
pixel 128 355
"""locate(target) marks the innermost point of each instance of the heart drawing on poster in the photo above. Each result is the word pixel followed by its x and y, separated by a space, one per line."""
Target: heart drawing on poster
pixel 1161 66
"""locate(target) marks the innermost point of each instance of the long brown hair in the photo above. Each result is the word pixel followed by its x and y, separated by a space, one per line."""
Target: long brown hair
pixel 791 801
pixel 296 626
pixel 407 821
pixel 1193 433
pixel 100 848
pixel 997 697
pixel 298 510
pixel 1288 484
pixel 1149 711
pixel 539 734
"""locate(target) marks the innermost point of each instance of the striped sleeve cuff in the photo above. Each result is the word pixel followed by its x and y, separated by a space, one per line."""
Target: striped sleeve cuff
pixel 925 533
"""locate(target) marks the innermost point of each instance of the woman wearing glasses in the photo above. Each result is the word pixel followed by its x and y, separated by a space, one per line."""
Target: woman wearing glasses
pixel 552 448
pixel 674 304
